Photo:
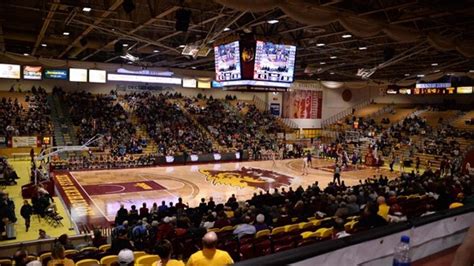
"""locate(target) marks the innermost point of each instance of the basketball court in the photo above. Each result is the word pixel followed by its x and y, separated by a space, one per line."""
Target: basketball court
pixel 95 196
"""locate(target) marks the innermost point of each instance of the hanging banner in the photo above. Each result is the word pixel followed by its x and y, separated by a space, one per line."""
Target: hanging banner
pixel 302 104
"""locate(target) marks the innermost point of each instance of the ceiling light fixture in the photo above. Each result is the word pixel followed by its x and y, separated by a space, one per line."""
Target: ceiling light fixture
pixel 226 29
pixel 434 64
pixel 420 75
pixel 125 44
pixel 322 63
pixel 345 36
pixel 407 75
pixel 332 73
pixel 86 9
pixel 333 57
pixel 182 46
pixel 363 48
pixel 44 45
pixel 156 51
pixel 193 67
pixel 471 71
pixel 66 33
pixel 320 44
pixel 437 70
pixel 273 21
pixel 26 54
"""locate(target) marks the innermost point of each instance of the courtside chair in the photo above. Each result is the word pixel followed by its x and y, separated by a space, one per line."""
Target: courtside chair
pixel 292 228
pixel 108 260
pixel 105 247
pixel 6 262
pixel 147 260
pixel 262 234
pixel 324 233
pixel 88 262
pixel 88 249
pixel 138 254
pixel 44 256
pixel 70 252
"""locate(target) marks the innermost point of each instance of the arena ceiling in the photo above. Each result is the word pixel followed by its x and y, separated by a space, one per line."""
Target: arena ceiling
pixel 67 29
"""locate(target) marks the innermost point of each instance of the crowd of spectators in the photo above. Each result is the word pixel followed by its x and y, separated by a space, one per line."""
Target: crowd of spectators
pixel 231 129
pixel 32 119
pixel 167 125
pixel 376 201
pixel 102 114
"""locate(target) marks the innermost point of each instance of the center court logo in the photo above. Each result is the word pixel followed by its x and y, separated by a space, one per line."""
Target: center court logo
pixel 247 177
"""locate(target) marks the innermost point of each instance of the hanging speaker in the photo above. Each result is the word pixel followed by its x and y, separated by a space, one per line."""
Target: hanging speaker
pixel 128 6
pixel 183 17
pixel 388 53
pixel 118 48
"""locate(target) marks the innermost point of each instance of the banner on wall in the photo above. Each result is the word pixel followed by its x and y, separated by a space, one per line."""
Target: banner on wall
pixel 302 104
pixel 19 142
pixel 275 109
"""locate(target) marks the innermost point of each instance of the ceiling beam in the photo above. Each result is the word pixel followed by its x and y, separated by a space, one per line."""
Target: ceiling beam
pixel 45 26
pixel 174 34
pixel 105 14
pixel 139 27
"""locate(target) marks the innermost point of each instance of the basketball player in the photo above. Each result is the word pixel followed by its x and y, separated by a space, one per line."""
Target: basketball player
pixel 305 166
pixel 309 158
pixel 274 165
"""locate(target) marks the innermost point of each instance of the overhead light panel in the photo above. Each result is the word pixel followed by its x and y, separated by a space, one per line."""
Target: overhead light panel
pixel 156 51
pixel 407 75
pixel 66 33
pixel 182 46
pixel 437 70
pixel 86 9
pixel 193 67
pixel 332 73
pixel 273 21
pixel 226 29
pixel 320 44
pixel 322 63
pixel 471 71
pixel 44 45
pixel 333 57
pixel 420 75
pixel 434 64
pixel 125 44
pixel 345 36
pixel 26 54
pixel 363 48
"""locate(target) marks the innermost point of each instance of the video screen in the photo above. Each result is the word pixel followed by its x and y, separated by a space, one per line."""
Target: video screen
pixel 78 75
pixel 32 72
pixel 274 62
pixel 56 74
pixel 8 71
pixel 227 61
pixel 97 76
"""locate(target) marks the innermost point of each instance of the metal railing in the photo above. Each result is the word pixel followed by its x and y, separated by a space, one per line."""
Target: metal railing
pixel 334 118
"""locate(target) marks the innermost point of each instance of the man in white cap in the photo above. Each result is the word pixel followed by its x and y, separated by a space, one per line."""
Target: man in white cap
pixel 126 257
pixel 210 255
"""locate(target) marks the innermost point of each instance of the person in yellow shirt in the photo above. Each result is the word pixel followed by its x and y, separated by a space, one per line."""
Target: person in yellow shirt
pixel 164 250
pixel 59 258
pixel 383 208
pixel 210 255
